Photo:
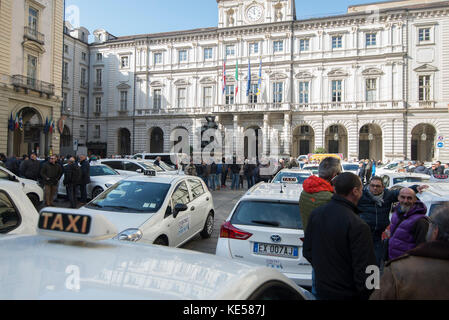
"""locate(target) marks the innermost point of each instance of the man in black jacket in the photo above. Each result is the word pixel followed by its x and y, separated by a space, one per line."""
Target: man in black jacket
pixel 72 176
pixel 30 169
pixel 85 178
pixel 338 244
pixel 51 172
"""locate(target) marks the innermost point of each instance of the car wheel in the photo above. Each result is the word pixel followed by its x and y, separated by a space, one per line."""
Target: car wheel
pixel 208 226
pixel 96 192
pixel 161 241
pixel 34 199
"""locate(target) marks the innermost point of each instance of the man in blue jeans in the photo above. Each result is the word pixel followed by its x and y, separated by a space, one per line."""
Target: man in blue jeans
pixel 235 171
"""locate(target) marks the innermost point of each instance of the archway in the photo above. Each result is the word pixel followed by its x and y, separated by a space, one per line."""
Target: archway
pixel 30 138
pixel 336 140
pixel 423 142
pixel 156 140
pixel 370 142
pixel 124 142
pixel 303 140
pixel 253 143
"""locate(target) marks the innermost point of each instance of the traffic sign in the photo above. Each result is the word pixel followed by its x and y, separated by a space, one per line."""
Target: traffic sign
pixel 440 145
pixel 440 138
pixel 75 144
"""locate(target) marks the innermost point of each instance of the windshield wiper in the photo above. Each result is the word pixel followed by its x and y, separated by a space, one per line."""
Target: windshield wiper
pixel 269 223
pixel 124 207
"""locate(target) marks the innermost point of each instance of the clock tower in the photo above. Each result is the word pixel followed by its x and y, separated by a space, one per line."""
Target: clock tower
pixel 232 13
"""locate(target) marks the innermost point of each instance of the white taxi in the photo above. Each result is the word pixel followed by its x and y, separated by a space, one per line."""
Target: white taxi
pixel 164 210
pixel 17 213
pixel 74 258
pixel 265 228
pixel 294 175
pixel 393 178
pixel 31 188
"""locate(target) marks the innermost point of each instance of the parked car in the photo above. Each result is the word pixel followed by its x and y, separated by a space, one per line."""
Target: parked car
pixel 174 160
pixel 393 178
pixel 295 176
pixel 130 167
pixel 31 188
pixel 265 228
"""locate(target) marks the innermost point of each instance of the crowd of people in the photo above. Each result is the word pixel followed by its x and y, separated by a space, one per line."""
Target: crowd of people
pixel 49 171
pixel 344 222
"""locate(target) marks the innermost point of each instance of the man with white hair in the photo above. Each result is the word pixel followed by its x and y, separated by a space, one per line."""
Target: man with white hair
pixel 408 224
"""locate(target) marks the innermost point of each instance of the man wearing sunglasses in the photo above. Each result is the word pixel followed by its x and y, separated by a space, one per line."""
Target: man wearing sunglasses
pixel 375 206
pixel 423 272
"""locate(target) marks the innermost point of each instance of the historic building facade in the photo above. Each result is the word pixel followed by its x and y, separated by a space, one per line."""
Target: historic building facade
pixel 367 84
pixel 30 75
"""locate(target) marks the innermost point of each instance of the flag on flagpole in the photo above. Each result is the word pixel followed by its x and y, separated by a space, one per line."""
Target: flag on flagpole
pixel 224 76
pixel 50 125
pixel 11 123
pixel 259 84
pixel 20 123
pixel 248 89
pixel 237 77
pixel 16 123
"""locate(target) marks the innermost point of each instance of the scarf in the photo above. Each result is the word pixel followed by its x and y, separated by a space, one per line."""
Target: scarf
pixel 379 200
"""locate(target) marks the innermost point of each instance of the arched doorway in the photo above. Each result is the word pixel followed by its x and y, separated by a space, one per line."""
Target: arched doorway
pixel 423 142
pixel 336 140
pixel 303 140
pixel 156 140
pixel 124 142
pixel 253 143
pixel 370 142
pixel 31 137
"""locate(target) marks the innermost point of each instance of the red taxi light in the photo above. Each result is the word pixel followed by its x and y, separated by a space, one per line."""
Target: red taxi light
pixel 227 230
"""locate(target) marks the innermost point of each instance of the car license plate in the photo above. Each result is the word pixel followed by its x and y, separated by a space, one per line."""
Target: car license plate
pixel 72 223
pixel 275 250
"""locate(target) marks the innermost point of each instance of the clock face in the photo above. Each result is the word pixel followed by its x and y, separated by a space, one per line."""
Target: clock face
pixel 254 12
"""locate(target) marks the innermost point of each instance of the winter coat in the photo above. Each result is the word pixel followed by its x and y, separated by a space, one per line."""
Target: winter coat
pixel 316 192
pixel 190 170
pixel 403 229
pixel 12 164
pixel 85 172
pixel 235 168
pixel 213 168
pixel 421 274
pixel 421 169
pixel 30 169
pixel 338 244
pixel 72 174
pixel 51 173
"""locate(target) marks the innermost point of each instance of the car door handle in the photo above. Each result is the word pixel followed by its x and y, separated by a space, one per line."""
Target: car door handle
pixel 192 208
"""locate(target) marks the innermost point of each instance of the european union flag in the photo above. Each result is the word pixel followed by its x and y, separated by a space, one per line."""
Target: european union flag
pixel 11 123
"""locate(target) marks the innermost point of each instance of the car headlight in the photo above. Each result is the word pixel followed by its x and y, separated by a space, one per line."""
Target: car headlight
pixel 132 235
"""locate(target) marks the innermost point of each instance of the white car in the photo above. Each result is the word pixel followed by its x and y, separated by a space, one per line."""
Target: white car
pixel 394 178
pixel 31 188
pixel 171 159
pixel 294 175
pixel 350 167
pixel 265 228
pixel 74 258
pixel 313 168
pixel 102 177
pixel 17 213
pixel 131 167
pixel 165 167
pixel 164 210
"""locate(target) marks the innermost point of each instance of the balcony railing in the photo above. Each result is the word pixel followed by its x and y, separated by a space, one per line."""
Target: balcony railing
pixel 27 83
pixel 34 35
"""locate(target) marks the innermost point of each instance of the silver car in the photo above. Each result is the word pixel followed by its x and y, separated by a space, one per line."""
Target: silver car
pixel 102 177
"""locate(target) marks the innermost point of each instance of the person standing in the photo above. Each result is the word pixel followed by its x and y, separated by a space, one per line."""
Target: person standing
pixel 191 169
pixel 85 178
pixel 338 244
pixel 409 225
pixel 423 272
pixel 224 173
pixel 30 169
pixel 72 177
pixel 218 175
pixel 235 172
pixel 51 172
pixel 368 171
pixel 361 171
pixel 213 175
pixel 241 176
pixel 12 164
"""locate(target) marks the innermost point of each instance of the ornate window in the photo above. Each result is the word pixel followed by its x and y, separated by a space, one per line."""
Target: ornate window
pixel 182 97
pixel 371 89
pixel 157 99
pixel 208 54
pixel 304 45
pixel 278 46
pixel 207 96
pixel 157 58
pixel 337 42
pixel 123 100
pixel 424 89
pixel 97 104
pixel 371 39
pixel 336 91
pixel 278 92
pixel 230 94
pixel 304 92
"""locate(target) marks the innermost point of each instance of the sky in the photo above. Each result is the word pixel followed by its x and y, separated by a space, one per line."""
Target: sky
pixel 131 17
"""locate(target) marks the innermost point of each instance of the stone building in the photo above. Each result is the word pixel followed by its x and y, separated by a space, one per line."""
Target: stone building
pixel 371 83
pixel 31 37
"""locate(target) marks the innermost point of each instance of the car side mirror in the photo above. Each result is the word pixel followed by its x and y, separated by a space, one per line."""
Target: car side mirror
pixel 139 171
pixel 13 178
pixel 178 208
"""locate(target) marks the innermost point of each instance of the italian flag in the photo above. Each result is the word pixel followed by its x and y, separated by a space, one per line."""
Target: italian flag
pixel 236 78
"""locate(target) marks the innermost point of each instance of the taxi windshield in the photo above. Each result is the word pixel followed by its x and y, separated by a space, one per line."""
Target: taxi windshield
pixel 268 214
pixel 300 177
pixel 132 196
pixel 96 171
pixel 407 179
pixel 150 166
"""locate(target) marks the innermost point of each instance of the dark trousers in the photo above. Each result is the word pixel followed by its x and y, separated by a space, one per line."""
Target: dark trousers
pixel 83 193
pixel 223 178
pixel 71 194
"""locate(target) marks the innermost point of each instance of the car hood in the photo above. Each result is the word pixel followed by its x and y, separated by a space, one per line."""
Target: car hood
pixel 121 220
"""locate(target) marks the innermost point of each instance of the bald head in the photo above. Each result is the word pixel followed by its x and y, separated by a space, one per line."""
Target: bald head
pixel 407 199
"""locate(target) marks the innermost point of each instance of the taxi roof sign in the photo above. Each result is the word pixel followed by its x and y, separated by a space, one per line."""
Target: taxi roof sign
pixel 74 225
pixel 289 179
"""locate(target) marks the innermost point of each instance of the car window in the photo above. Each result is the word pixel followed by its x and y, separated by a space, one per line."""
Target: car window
pixel 282 177
pixel 407 179
pixel 181 194
pixel 9 217
pixel 149 166
pixel 132 196
pixel 437 205
pixel 117 165
pixel 96 171
pixel 4 175
pixel 275 290
pixel 197 188
pixel 130 166
pixel 386 181
pixel 265 213
pixel 137 156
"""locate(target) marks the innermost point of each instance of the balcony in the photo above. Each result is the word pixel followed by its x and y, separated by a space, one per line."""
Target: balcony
pixel 26 83
pixel 34 35
pixel 257 107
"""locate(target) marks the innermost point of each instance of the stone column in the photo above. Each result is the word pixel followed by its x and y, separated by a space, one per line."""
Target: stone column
pixel 235 134
pixel 266 137
pixel 42 145
pixel 10 147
